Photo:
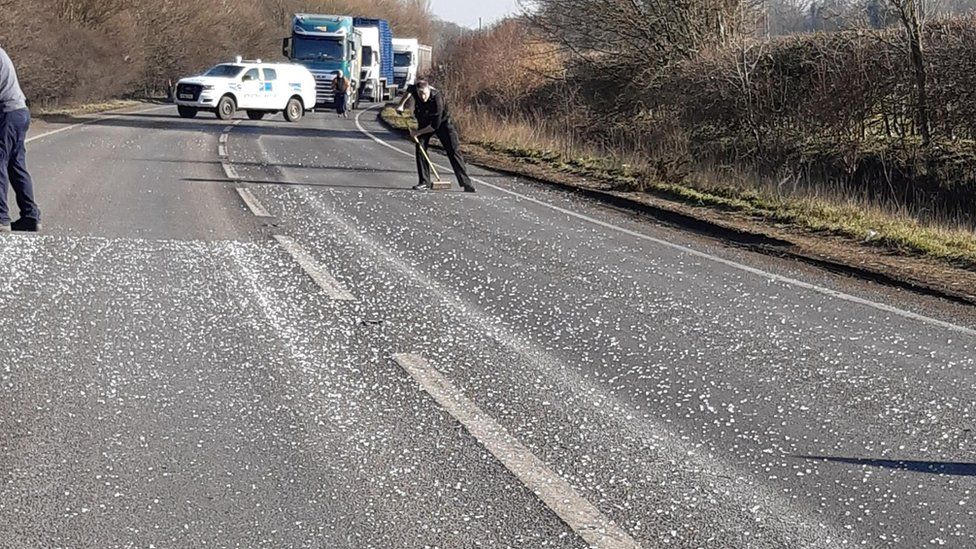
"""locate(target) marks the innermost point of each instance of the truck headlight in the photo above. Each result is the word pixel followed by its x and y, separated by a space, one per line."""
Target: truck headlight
pixel 208 88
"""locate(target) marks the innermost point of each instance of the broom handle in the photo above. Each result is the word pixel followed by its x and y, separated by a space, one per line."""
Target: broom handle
pixel 437 177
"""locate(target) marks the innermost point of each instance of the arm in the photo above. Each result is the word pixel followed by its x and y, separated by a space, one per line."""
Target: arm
pixel 403 102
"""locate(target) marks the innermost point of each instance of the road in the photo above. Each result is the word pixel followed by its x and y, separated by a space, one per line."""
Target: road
pixel 254 335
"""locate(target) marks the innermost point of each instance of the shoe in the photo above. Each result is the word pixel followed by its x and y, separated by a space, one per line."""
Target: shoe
pixel 26 224
pixel 469 189
pixel 423 187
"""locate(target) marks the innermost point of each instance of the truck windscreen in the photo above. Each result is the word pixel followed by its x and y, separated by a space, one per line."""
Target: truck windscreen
pixel 404 59
pixel 317 49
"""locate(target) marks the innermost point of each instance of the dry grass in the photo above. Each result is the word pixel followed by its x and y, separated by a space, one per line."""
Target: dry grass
pixel 85 108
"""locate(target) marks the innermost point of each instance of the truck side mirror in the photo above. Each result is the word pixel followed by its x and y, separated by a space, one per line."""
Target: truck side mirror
pixel 286 47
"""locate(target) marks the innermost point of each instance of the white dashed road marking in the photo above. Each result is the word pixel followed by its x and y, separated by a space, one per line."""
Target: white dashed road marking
pixel 703 255
pixel 582 516
pixel 229 171
pixel 314 269
pixel 253 203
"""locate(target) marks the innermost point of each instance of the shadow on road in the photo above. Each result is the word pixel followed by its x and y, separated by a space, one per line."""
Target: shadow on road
pixel 238 164
pixel 147 121
pixel 960 469
pixel 301 184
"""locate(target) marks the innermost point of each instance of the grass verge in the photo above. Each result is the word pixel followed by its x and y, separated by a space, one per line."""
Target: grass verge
pixel 87 108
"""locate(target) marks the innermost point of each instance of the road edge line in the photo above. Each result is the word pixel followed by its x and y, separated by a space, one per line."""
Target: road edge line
pixel 703 255
pixel 100 118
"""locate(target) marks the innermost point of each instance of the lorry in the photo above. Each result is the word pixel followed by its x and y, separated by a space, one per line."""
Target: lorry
pixel 411 60
pixel 376 78
pixel 325 45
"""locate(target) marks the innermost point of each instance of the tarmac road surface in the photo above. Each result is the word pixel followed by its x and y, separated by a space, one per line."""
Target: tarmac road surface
pixel 255 335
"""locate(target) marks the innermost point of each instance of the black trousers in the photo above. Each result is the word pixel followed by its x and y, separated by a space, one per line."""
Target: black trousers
pixel 449 139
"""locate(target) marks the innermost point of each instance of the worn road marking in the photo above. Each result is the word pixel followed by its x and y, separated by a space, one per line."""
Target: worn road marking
pixel 229 171
pixel 703 255
pixel 253 203
pixel 315 270
pixel 223 137
pixel 101 118
pixel 582 516
pixel 222 151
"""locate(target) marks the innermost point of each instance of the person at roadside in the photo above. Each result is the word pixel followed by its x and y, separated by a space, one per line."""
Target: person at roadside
pixel 434 118
pixel 14 122
pixel 341 86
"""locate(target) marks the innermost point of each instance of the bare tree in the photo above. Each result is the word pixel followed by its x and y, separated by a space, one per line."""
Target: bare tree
pixel 910 14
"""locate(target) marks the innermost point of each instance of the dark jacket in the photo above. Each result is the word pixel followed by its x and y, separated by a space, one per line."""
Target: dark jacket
pixel 433 112
pixel 340 85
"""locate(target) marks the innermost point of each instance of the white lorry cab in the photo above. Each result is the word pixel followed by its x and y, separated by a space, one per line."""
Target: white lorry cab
pixel 252 86
pixel 411 59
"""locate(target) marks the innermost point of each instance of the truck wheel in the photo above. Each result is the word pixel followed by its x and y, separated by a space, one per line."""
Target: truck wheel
pixel 187 112
pixel 255 115
pixel 294 110
pixel 226 108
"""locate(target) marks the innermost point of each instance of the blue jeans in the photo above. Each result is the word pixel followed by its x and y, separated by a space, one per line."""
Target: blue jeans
pixel 13 166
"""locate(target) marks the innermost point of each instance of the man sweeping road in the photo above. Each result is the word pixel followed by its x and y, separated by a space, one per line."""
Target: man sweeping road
pixel 433 118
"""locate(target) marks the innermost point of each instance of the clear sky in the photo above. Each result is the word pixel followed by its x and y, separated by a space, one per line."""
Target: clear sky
pixel 467 12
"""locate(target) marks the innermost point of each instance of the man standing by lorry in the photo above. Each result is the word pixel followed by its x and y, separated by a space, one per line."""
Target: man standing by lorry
pixel 341 85
pixel 14 121
pixel 433 118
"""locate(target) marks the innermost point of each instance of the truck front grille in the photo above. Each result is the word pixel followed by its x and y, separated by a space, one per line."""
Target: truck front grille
pixel 188 92
pixel 324 93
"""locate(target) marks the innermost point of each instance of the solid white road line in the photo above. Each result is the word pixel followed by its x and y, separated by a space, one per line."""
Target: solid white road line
pixel 100 118
pixel 703 255
pixel 582 516
pixel 315 270
pixel 253 203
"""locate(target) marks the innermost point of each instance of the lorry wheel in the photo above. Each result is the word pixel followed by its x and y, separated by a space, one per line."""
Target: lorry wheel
pixel 255 115
pixel 294 110
pixel 187 112
pixel 226 108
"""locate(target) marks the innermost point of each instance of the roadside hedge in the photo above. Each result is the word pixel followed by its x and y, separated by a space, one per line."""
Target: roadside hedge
pixel 81 50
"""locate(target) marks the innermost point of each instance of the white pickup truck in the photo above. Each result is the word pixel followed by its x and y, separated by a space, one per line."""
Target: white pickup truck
pixel 256 87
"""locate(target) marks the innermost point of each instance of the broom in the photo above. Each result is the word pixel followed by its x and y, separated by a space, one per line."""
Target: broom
pixel 438 184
